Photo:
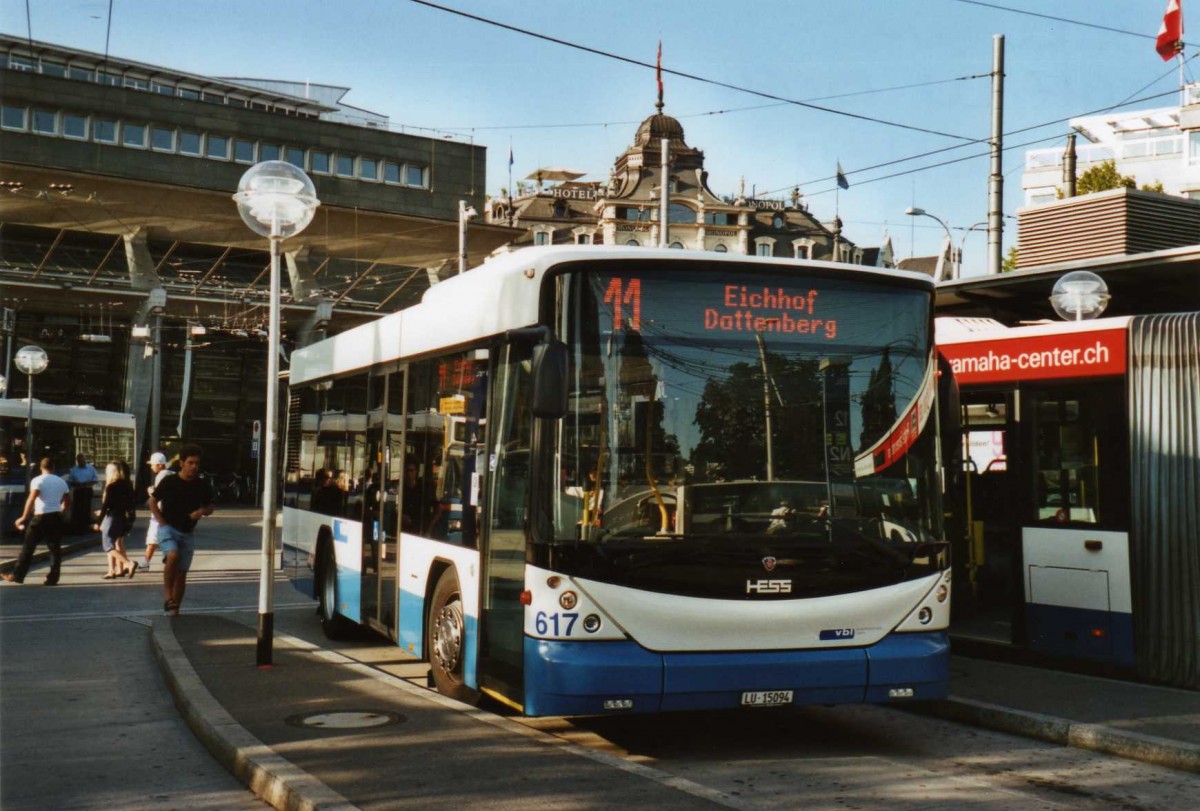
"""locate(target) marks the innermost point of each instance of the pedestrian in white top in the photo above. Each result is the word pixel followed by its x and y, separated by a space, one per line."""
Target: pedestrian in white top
pixel 158 466
pixel 49 498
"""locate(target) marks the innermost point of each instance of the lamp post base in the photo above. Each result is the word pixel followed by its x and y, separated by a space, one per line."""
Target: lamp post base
pixel 266 631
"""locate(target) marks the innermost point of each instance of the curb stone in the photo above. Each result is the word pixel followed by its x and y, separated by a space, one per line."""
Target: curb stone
pixel 1095 737
pixel 271 777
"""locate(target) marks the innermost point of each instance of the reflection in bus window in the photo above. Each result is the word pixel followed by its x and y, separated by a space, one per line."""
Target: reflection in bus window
pixel 1074 434
pixel 444 418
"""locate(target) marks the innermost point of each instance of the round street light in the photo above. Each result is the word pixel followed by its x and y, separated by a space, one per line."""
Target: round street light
pixel 277 200
pixel 32 360
pixel 1078 295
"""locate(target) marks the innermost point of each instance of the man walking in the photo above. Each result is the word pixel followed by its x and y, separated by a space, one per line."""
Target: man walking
pixel 177 504
pixel 49 498
pixel 82 479
pixel 158 469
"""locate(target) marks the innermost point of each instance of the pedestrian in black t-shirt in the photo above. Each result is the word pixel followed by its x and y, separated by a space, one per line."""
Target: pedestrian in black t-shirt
pixel 178 503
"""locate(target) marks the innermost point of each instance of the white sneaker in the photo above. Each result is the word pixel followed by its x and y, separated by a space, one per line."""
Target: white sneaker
pixel 144 564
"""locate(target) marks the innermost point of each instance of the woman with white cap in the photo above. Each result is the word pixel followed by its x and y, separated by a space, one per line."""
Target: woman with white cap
pixel 158 466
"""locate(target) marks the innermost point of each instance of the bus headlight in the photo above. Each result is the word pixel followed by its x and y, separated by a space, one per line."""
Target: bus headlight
pixel 942 593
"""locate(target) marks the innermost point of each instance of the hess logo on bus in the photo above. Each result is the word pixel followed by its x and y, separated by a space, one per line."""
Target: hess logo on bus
pixel 769 586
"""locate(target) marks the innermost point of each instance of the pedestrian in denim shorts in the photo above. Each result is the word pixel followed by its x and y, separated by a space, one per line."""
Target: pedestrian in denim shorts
pixel 177 504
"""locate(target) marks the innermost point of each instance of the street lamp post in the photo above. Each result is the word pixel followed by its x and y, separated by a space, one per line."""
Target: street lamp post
pixel 962 243
pixel 32 360
pixel 920 212
pixel 276 200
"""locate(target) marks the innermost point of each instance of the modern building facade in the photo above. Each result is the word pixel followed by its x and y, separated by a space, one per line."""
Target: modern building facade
pixel 122 253
pixel 1153 146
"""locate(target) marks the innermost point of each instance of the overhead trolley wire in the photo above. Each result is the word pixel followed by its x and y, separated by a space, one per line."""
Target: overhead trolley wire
pixel 682 74
pixel 999 7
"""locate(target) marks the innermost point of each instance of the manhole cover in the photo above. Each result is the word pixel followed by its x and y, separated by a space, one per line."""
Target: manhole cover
pixel 350 719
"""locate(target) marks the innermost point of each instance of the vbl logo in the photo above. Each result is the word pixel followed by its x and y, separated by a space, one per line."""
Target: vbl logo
pixel 838 633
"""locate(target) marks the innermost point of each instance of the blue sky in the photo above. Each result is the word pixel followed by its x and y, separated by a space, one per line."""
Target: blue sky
pixel 423 67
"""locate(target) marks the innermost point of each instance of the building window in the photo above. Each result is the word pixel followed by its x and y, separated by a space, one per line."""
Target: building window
pixel 22 63
pixel 1194 147
pixel 677 246
pixel 80 73
pixel 318 161
pixel 391 172
pixel 54 69
pixel 368 168
pixel 104 131
pixel 188 93
pixel 632 243
pixel 75 126
pixel 720 248
pixel 415 176
pixel 678 213
pixel 217 147
pixel 345 166
pixel 105 77
pixel 212 98
pixel 268 152
pixel 802 249
pixel 137 84
pixel 541 238
pixel 12 118
pixel 162 88
pixel 777 222
pixel 295 156
pixel 134 135
pixel 583 239
pixel 45 122
pixel 720 218
pixel 162 139
pixel 189 143
pixel 243 151
pixel 764 246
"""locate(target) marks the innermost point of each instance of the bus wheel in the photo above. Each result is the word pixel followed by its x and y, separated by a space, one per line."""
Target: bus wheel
pixel 446 640
pixel 333 624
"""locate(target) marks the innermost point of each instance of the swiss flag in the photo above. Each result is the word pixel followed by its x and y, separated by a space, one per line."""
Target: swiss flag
pixel 1170 35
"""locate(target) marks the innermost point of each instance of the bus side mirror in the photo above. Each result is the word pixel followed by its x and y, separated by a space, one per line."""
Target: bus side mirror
pixel 549 399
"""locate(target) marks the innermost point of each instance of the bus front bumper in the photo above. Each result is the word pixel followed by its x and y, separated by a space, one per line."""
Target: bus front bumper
pixel 589 678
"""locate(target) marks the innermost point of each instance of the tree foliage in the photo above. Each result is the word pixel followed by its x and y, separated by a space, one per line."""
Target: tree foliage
pixel 1102 177
pixel 1009 263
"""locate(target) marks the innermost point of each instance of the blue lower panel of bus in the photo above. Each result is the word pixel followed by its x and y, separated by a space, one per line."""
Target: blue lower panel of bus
pixel 577 678
pixel 1105 636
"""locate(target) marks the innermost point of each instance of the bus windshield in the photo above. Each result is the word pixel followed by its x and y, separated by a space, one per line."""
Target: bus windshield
pixel 746 408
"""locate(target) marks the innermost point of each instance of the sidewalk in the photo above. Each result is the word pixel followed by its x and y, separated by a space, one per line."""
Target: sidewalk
pixel 320 730
pixel 10 548
pixel 442 754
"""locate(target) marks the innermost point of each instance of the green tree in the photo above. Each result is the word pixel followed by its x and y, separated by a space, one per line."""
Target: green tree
pixel 1155 186
pixel 1009 264
pixel 1102 177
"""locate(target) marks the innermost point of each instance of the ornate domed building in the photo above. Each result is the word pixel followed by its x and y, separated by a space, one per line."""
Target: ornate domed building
pixel 626 210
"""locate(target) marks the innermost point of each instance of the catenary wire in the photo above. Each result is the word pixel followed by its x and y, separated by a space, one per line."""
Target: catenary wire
pixel 681 74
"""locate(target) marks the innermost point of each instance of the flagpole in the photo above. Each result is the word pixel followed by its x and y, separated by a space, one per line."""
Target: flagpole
pixel 511 195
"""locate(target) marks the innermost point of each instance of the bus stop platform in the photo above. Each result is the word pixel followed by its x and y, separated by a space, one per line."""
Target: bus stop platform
pixel 321 730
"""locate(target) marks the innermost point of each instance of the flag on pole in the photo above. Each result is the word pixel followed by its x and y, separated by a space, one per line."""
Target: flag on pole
pixel 841 177
pixel 658 74
pixel 510 156
pixel 1170 34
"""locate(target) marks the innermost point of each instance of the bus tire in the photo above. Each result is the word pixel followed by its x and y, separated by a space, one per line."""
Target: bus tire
pixel 333 624
pixel 446 642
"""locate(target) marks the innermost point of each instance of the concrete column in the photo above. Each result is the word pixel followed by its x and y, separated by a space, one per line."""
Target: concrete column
pixel 140 370
pixel 300 274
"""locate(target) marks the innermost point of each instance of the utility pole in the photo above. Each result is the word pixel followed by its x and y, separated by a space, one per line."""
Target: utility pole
pixel 996 178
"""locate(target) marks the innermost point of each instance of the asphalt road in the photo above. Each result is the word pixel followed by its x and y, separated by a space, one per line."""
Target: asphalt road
pixel 85 721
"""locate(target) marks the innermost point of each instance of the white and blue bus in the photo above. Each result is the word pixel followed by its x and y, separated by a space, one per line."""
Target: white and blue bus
pixel 60 432
pixel 676 480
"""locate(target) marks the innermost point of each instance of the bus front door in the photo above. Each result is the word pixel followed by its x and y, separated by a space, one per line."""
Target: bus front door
pixel 993 600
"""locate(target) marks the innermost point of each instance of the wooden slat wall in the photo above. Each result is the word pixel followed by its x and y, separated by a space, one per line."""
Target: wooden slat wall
pixel 1116 222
